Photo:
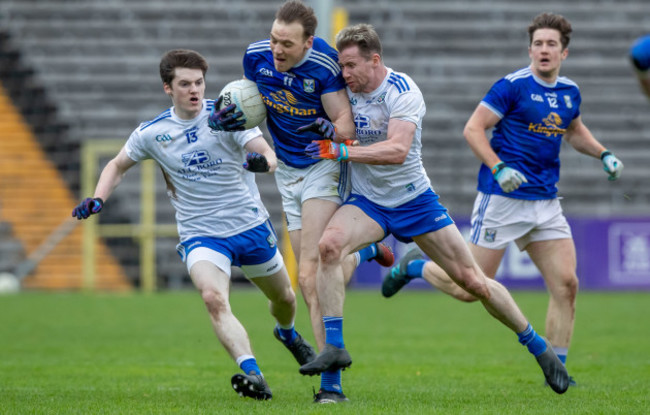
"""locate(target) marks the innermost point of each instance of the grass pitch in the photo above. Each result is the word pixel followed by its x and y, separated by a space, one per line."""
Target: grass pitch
pixel 418 353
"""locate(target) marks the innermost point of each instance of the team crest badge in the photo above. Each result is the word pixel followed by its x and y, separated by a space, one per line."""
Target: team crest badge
pixel 309 85
pixel 490 235
pixel 567 101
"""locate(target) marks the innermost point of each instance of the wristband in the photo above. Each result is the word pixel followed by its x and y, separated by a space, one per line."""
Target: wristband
pixel 604 154
pixel 498 167
pixel 343 152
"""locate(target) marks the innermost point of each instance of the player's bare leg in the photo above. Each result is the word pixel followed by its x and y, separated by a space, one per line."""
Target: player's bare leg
pixel 349 229
pixel 316 213
pixel 556 260
pixel 447 248
pixel 214 286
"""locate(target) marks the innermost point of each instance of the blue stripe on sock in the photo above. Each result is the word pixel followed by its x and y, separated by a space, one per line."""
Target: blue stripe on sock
pixel 533 341
pixel 367 253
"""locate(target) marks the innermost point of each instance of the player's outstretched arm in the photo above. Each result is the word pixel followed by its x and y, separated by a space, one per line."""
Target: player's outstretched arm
pixel 109 179
pixel 580 138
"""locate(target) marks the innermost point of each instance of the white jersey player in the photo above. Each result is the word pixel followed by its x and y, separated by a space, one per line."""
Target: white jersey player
pixel 392 195
pixel 221 220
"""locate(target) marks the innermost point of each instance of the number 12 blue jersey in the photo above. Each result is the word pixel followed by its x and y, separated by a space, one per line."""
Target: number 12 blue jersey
pixel 534 117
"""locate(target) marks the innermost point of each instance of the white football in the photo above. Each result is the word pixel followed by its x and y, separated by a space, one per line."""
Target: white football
pixel 246 96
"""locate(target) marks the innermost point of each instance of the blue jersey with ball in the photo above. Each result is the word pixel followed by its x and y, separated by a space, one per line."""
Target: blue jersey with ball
pixel 293 98
pixel 534 117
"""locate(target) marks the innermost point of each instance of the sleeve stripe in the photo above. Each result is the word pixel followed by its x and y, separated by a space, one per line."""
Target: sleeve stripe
pixel 162 116
pixel 261 46
pixel 399 82
pixel 326 61
pixel 491 108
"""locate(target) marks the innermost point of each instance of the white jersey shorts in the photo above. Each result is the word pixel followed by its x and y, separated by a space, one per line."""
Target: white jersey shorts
pixel 255 251
pixel 497 220
pixel 327 179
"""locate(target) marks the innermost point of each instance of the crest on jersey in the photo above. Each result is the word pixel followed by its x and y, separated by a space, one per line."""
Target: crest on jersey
pixel 361 121
pixel 309 85
pixel 490 235
pixel 567 101
pixel 195 157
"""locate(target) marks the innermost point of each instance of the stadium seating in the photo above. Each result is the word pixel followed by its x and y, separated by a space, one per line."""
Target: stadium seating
pixel 99 64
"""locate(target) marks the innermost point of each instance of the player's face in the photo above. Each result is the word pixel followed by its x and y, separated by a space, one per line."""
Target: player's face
pixel 288 44
pixel 357 70
pixel 546 53
pixel 186 91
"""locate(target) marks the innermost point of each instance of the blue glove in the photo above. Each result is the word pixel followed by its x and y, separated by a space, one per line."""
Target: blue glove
pixel 508 178
pixel 321 126
pixel 226 119
pixel 88 207
pixel 611 164
pixel 256 163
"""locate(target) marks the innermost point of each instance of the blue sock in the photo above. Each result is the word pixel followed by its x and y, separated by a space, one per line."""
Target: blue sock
pixel 331 381
pixel 333 331
pixel 249 365
pixel 367 253
pixel 287 335
pixel 535 343
pixel 415 268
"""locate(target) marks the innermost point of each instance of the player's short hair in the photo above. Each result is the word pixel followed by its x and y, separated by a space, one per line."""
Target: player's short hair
pixel 551 21
pixel 180 58
pixel 363 36
pixel 297 11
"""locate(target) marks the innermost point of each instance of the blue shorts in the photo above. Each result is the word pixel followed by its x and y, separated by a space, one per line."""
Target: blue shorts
pixel 421 215
pixel 252 247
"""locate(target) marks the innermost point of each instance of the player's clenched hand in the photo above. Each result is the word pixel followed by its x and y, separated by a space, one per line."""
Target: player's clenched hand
pixel 225 119
pixel 508 178
pixel 88 207
pixel 321 126
pixel 256 163
pixel 327 149
pixel 611 164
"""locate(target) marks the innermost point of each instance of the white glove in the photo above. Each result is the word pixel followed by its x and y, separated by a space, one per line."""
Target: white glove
pixel 508 178
pixel 612 165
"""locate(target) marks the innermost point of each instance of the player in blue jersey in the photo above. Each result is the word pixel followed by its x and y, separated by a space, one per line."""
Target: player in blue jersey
pixel 640 56
pixel 221 220
pixel 300 82
pixel 531 111
pixel 392 194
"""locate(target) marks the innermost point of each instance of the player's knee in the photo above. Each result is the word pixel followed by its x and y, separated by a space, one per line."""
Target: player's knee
pixel 330 251
pixel 214 301
pixel 569 287
pixel 474 286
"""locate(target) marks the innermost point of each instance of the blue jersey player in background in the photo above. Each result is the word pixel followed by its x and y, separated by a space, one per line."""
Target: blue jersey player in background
pixel 640 56
pixel 531 111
